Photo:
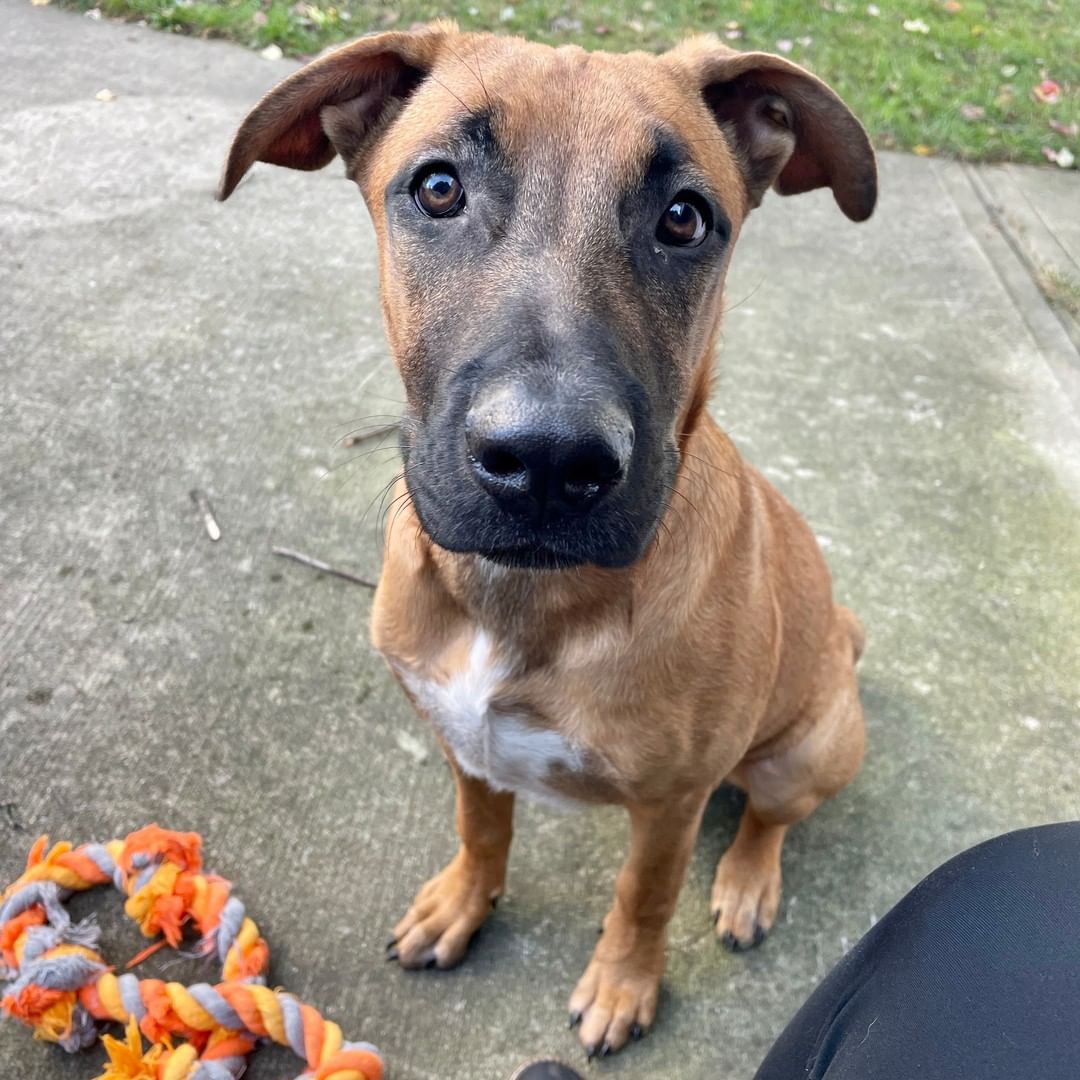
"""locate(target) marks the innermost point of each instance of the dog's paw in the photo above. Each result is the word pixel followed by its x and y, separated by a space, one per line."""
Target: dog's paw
pixel 445 914
pixel 615 1000
pixel 745 898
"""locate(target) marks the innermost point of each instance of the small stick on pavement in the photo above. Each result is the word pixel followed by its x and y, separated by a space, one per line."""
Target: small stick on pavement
pixel 325 568
pixel 359 437
pixel 11 810
pixel 213 530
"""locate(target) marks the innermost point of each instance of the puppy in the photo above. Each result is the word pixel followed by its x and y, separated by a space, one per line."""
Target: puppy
pixel 586 590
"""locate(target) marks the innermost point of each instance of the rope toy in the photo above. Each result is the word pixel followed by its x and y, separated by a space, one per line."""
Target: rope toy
pixel 59 985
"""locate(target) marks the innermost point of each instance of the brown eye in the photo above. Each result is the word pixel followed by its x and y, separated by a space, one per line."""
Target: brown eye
pixel 438 192
pixel 684 223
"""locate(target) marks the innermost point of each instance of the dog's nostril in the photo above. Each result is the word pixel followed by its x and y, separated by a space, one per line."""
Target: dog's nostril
pixel 587 476
pixel 598 471
pixel 501 462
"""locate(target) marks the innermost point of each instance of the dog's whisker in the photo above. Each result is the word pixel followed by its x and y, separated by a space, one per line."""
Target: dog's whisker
pixel 474 73
pixel 435 79
pixel 369 416
pixel 380 493
pixel 748 296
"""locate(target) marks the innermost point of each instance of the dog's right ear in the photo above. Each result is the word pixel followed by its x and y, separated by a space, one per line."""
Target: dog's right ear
pixel 335 104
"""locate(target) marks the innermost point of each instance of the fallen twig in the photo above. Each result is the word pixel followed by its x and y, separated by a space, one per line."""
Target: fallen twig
pixel 325 568
pixel 356 438
pixel 199 498
pixel 11 812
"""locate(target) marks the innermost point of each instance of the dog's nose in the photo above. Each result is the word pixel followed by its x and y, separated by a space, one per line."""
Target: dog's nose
pixel 535 455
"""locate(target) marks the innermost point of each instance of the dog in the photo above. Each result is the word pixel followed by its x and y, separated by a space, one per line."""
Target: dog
pixel 586 590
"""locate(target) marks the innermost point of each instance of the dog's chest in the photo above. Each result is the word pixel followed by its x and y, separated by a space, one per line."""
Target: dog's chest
pixel 492 744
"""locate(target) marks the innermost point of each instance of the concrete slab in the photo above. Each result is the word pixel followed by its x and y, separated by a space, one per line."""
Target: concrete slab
pixel 152 342
pixel 1038 211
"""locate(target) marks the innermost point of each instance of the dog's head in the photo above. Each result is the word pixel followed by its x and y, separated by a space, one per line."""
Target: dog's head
pixel 554 227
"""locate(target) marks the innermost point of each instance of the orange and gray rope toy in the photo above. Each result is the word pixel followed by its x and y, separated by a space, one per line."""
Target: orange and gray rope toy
pixel 57 983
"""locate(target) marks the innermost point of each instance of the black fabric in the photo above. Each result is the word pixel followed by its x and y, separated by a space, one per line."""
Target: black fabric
pixel 974 975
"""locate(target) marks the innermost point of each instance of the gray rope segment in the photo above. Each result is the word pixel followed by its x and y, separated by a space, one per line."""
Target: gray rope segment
pixel 222 1069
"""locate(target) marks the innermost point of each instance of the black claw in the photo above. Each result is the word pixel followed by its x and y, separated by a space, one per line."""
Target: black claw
pixel 716 916
pixel 599 930
pixel 591 1052
pixel 431 963
pixel 575 1019
pixel 729 941
pixel 391 943
pixel 636 1032
pixel 392 955
pixel 759 935
pixel 605 1049
pixel 494 902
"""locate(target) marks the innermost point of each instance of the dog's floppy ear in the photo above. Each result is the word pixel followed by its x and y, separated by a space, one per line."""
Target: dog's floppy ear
pixel 335 102
pixel 789 129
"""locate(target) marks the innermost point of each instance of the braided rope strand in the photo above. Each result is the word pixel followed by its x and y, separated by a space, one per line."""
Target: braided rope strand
pixel 58 984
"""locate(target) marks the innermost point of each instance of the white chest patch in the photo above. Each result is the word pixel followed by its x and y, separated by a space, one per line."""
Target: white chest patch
pixel 490 745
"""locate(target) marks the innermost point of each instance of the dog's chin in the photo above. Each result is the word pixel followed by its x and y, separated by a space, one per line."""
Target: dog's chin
pixel 537 555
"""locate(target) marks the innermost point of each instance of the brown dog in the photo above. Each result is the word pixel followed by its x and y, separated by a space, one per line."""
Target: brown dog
pixel 586 590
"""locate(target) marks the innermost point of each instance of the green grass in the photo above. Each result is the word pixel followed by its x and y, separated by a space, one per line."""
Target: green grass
pixel 1062 290
pixel 910 88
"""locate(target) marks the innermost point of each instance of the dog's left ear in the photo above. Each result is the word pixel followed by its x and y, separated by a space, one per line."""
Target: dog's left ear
pixel 335 104
pixel 788 128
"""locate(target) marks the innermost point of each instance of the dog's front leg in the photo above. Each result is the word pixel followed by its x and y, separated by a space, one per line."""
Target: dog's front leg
pixel 449 909
pixel 616 997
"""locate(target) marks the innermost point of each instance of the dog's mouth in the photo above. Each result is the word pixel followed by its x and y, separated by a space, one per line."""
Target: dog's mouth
pixel 458 518
pixel 535 557
pixel 467 526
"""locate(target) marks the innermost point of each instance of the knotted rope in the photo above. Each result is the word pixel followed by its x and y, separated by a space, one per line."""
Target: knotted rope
pixel 57 983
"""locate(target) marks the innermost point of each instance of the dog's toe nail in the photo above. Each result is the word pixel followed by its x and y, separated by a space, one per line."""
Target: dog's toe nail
pixel 494 902
pixel 599 930
pixel 636 1032
pixel 605 1049
pixel 575 1019
pixel 759 934
pixel 431 963
pixel 392 954
pixel 391 943
pixel 591 1052
pixel 716 916
pixel 729 941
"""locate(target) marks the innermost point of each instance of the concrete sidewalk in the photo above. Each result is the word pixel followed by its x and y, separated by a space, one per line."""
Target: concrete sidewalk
pixel 903 382
pixel 1037 211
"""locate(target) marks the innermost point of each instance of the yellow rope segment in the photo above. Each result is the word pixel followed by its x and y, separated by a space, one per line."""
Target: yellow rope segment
pixel 188 1009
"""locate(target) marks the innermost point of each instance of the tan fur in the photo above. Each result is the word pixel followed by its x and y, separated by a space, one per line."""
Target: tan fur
pixel 720 654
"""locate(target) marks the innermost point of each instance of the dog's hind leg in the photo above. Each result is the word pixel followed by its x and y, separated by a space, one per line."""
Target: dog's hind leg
pixel 449 909
pixel 785 787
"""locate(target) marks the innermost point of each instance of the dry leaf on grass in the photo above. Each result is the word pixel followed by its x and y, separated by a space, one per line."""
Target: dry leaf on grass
pixel 1048 92
pixel 1063 158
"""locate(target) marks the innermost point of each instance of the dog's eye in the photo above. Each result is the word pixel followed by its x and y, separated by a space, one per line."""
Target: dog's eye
pixel 684 223
pixel 438 192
